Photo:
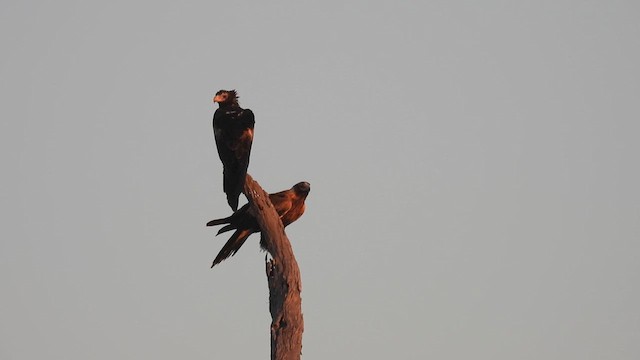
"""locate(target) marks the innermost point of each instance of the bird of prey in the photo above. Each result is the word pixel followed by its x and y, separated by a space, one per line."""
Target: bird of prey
pixel 289 205
pixel 233 132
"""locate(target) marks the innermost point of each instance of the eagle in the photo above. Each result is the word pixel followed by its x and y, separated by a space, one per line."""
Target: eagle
pixel 233 133
pixel 289 205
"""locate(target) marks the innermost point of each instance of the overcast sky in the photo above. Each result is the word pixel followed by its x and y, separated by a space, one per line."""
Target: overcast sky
pixel 473 167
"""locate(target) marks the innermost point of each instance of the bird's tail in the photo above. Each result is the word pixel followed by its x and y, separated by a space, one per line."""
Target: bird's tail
pixel 215 222
pixel 232 246
pixel 234 178
pixel 226 228
pixel 233 198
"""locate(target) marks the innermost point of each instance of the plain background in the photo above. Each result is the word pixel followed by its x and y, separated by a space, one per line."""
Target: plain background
pixel 473 165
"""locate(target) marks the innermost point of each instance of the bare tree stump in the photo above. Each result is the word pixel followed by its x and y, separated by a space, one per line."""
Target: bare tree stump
pixel 283 276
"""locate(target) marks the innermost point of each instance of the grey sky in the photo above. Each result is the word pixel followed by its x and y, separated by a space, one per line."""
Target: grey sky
pixel 473 169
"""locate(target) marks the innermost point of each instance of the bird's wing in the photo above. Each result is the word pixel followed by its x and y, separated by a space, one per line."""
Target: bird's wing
pixel 221 134
pixel 247 118
pixel 243 138
pixel 234 218
pixel 281 201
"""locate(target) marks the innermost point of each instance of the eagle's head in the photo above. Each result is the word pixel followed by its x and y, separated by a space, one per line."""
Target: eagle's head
pixel 302 188
pixel 226 98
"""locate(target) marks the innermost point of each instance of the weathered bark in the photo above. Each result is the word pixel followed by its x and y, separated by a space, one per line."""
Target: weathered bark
pixel 283 276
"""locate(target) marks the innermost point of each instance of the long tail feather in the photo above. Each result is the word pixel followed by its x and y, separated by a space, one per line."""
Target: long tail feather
pixel 232 246
pixel 225 229
pixel 219 221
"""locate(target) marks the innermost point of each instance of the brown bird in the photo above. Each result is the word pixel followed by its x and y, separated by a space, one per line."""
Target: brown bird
pixel 233 132
pixel 289 205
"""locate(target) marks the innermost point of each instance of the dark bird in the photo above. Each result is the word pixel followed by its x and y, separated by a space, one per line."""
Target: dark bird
pixel 289 205
pixel 233 131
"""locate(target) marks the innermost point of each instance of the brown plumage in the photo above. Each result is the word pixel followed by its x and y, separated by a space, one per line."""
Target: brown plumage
pixel 233 132
pixel 289 205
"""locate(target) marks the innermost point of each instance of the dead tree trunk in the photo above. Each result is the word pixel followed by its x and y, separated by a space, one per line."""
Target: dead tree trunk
pixel 283 276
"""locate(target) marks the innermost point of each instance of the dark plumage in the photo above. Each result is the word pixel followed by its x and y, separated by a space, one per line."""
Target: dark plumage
pixel 289 205
pixel 233 132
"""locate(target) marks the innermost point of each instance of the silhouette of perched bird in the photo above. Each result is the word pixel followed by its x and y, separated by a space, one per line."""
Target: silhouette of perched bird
pixel 233 132
pixel 289 205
